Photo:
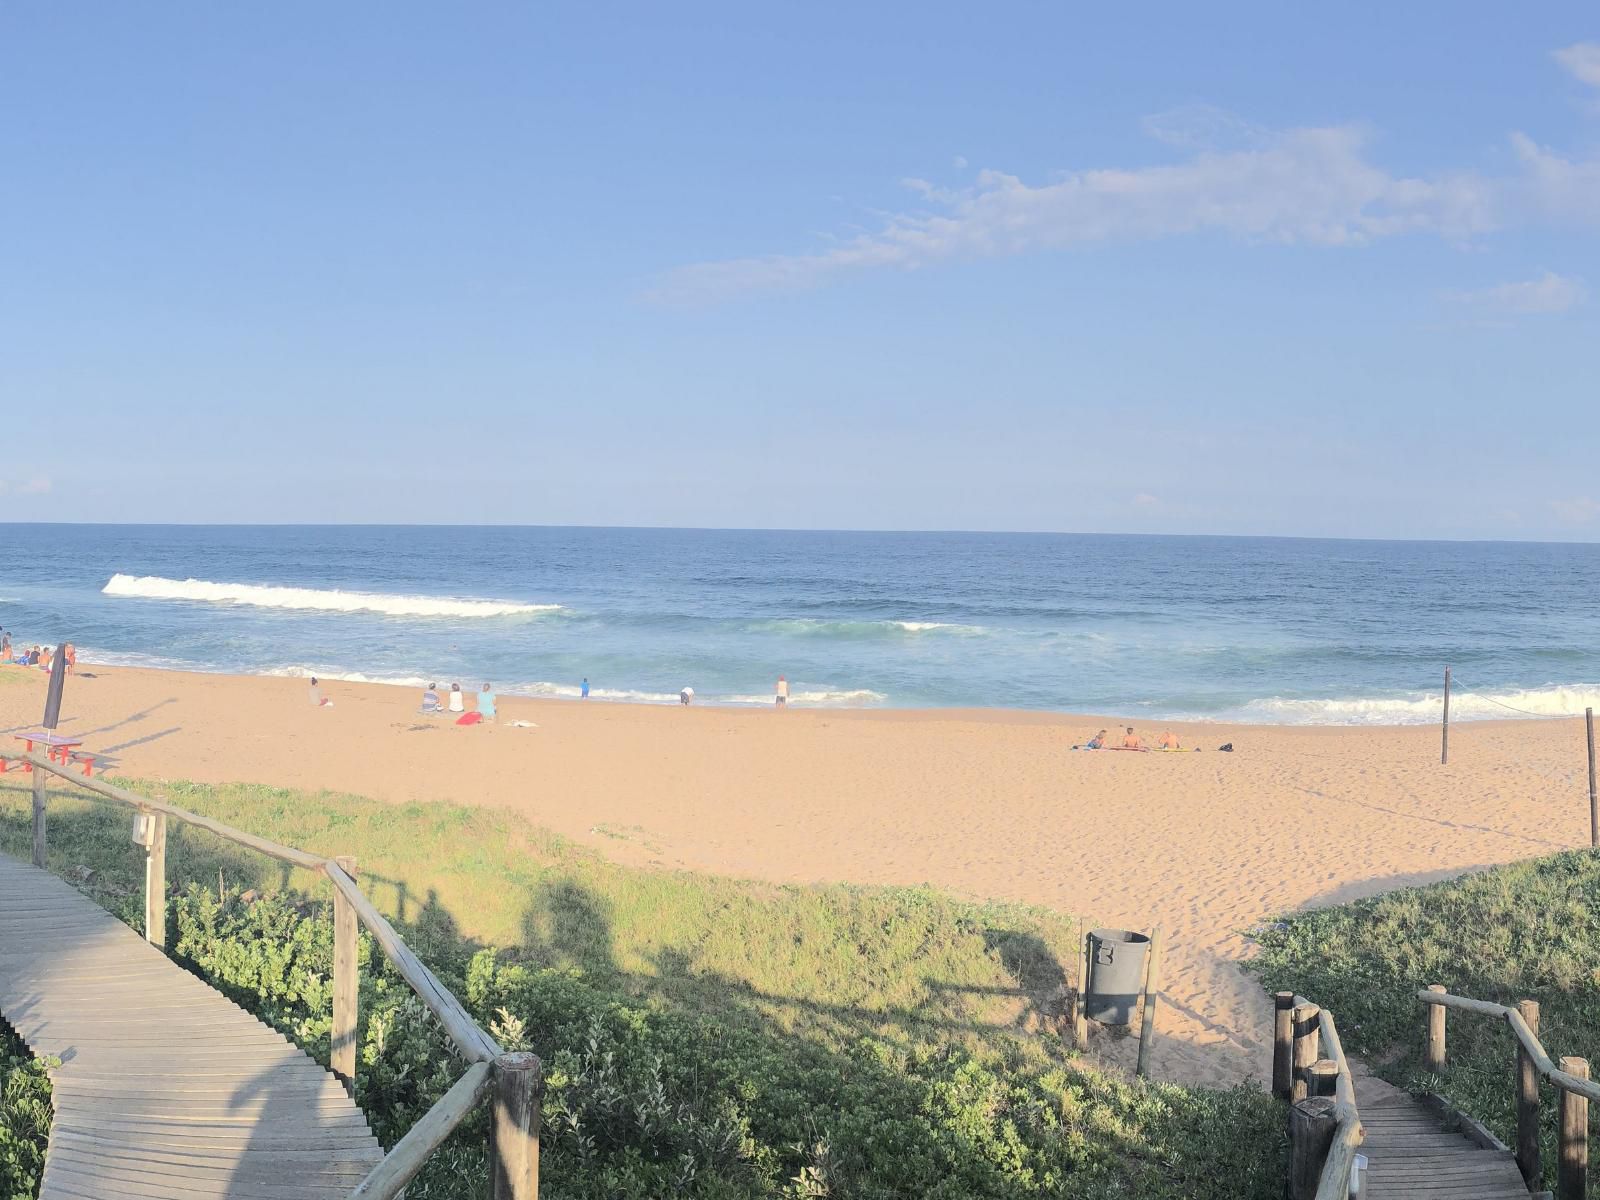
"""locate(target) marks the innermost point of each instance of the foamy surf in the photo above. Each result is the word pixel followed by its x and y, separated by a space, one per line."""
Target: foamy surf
pixel 153 587
pixel 1423 708
pixel 816 627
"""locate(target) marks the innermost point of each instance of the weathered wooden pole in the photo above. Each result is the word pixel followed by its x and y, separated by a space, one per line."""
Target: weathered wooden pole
pixel 1080 1021
pixel 38 815
pixel 346 985
pixel 1528 1102
pixel 1433 1049
pixel 1282 1044
pixel 1572 1165
pixel 1306 1031
pixel 1594 804
pixel 1324 1077
pixel 1152 984
pixel 1444 749
pixel 1312 1125
pixel 155 881
pixel 518 1092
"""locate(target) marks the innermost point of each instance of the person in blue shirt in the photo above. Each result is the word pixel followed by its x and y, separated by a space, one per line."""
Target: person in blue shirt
pixel 585 687
pixel 486 702
pixel 430 699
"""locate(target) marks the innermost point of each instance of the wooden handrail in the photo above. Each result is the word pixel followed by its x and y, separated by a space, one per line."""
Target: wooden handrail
pixel 1529 1041
pixel 489 1063
pixel 1333 1182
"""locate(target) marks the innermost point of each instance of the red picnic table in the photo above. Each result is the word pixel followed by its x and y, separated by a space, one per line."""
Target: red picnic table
pixel 59 747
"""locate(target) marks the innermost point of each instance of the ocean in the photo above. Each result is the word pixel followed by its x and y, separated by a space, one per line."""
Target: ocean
pixel 1273 630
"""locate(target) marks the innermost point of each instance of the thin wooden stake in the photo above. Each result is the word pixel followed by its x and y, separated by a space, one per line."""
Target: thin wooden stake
pixel 1444 749
pixel 38 818
pixel 1152 985
pixel 1282 1044
pixel 346 985
pixel 1528 1102
pixel 1433 1050
pixel 1572 1166
pixel 155 882
pixel 1080 1025
pixel 1594 805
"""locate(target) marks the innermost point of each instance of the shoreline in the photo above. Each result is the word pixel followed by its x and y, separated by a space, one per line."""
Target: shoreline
pixel 982 803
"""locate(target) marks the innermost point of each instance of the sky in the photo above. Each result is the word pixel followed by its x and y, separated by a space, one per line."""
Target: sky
pixel 1238 268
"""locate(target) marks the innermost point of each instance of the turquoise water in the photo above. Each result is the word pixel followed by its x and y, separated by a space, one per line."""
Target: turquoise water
pixel 1260 629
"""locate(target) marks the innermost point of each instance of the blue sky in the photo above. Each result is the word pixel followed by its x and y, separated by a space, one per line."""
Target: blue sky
pixel 1238 269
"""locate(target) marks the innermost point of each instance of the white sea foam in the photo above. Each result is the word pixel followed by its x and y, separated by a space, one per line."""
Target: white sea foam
pixel 844 698
pixel 1423 708
pixel 153 587
pixel 816 627
pixel 305 672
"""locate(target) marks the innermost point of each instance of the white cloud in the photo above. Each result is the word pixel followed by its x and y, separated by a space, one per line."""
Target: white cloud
pixel 1550 293
pixel 1555 186
pixel 1146 500
pixel 1297 186
pixel 1582 61
pixel 36 486
pixel 959 162
pixel 1579 510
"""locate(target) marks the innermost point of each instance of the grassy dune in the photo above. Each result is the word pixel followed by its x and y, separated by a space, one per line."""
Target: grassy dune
pixel 703 1036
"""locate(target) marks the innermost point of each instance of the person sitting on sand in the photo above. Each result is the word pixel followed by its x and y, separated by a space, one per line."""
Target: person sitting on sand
pixel 457 701
pixel 1169 741
pixel 486 702
pixel 430 699
pixel 1097 742
pixel 1131 741
pixel 318 700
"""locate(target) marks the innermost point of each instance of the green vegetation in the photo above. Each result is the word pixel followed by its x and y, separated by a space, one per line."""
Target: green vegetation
pixel 1526 931
pixel 24 1118
pixel 702 1036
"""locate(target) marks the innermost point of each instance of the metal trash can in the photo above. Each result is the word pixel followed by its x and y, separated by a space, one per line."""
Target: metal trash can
pixel 1116 975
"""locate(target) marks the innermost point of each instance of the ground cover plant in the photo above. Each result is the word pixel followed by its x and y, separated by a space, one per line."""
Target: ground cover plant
pixel 24 1118
pixel 702 1036
pixel 1530 930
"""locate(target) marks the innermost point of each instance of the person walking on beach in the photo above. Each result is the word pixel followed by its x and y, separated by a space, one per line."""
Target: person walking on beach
pixel 783 692
pixel 69 655
pixel 457 703
pixel 686 697
pixel 585 692
pixel 486 702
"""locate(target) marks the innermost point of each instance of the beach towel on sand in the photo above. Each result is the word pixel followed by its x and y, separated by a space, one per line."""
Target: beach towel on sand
pixel 471 718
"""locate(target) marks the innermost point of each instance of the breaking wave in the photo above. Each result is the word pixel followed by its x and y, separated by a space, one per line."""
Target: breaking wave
pixel 1423 708
pixel 153 587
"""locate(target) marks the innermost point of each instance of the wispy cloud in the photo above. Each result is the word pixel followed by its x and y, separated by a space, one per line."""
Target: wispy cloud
pixel 1582 61
pixel 1550 293
pixel 36 486
pixel 1578 510
pixel 1311 186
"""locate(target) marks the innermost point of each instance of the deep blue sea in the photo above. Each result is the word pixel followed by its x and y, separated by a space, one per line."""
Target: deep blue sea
pixel 1257 629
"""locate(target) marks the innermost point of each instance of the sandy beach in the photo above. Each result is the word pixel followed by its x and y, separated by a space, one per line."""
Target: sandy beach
pixel 984 803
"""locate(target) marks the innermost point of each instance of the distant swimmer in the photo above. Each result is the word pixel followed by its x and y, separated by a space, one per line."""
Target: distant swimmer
pixel 783 692
pixel 686 697
pixel 1097 742
pixel 584 694
pixel 457 703
pixel 1131 741
pixel 1169 741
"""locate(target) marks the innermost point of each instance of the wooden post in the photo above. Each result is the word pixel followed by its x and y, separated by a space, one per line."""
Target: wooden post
pixel 38 816
pixel 1306 1035
pixel 1528 1102
pixel 1572 1165
pixel 1433 1055
pixel 1444 748
pixel 1282 1044
pixel 346 986
pixel 1152 984
pixel 1080 1022
pixel 1324 1078
pixel 155 882
pixel 1311 1129
pixel 514 1134
pixel 1594 805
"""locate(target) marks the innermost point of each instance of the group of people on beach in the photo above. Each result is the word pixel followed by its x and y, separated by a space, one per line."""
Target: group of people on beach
pixel 455 701
pixel 1132 741
pixel 38 656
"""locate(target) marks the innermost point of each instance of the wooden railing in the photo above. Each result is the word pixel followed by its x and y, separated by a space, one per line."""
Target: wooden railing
pixel 517 1080
pixel 1310 1071
pixel 1570 1078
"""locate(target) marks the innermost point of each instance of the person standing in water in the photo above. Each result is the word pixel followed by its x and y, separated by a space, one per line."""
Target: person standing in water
pixel 686 697
pixel 783 692
pixel 585 694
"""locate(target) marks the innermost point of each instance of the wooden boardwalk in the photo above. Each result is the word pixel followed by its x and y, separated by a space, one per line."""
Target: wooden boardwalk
pixel 1409 1154
pixel 166 1089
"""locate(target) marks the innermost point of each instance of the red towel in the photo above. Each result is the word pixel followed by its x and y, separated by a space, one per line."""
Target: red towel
pixel 471 718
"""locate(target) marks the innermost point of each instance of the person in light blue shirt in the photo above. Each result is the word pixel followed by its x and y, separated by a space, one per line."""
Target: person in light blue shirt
pixel 585 695
pixel 486 702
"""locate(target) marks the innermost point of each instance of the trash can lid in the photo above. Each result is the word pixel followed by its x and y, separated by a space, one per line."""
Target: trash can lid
pixel 1118 935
